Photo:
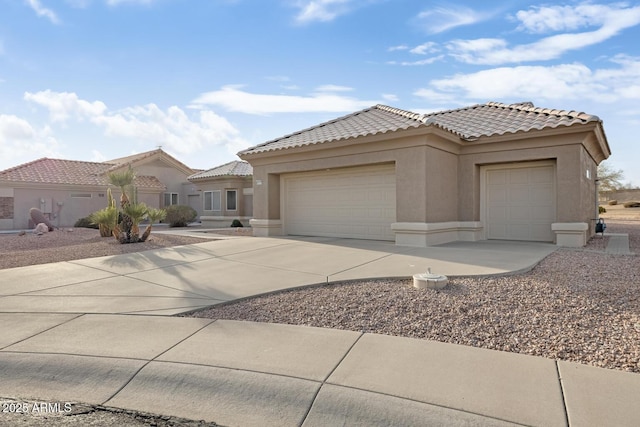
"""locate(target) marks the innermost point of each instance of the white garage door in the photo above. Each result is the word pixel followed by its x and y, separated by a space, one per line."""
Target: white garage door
pixel 520 203
pixel 357 203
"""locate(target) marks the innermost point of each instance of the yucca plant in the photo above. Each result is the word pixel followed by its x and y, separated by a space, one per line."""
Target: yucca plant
pixel 105 219
pixel 154 215
pixel 123 180
pixel 136 212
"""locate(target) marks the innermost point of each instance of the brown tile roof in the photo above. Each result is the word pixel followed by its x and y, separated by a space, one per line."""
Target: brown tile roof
pixel 130 160
pixel 234 168
pixel 70 172
pixel 468 123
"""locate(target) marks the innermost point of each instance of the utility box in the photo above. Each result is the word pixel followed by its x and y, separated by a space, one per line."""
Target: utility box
pixel 46 205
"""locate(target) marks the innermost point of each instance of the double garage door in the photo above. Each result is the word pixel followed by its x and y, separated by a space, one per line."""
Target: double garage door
pixel 520 202
pixel 358 203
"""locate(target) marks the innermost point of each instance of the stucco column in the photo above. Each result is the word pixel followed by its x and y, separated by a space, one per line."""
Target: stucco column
pixel 266 204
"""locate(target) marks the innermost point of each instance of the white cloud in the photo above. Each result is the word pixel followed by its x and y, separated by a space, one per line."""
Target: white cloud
pixel 20 142
pixel 233 99
pixel 439 19
pixel 322 10
pixel 390 97
pixel 562 18
pixel 558 83
pixel 97 156
pixel 611 18
pixel 333 88
pixel 64 105
pixel 119 2
pixel 172 127
pixel 425 48
pixel 426 61
pixel 40 10
pixel 399 47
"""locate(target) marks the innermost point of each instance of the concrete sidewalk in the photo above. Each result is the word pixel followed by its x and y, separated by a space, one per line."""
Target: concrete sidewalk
pixel 96 331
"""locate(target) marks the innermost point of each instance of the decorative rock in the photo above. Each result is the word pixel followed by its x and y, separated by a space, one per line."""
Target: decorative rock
pixel 429 280
pixel 22 233
pixel 38 217
pixel 41 228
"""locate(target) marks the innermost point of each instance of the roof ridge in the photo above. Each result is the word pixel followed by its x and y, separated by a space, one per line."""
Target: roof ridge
pixel 42 159
pixel 404 113
pixel 312 128
pixel 529 107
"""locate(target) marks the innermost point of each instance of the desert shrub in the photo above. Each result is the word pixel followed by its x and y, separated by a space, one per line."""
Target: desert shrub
pixel 601 209
pixel 180 215
pixel 85 222
pixel 236 223
pixel 612 202
pixel 631 204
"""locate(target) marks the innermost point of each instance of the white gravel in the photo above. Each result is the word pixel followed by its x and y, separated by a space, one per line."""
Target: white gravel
pixel 576 305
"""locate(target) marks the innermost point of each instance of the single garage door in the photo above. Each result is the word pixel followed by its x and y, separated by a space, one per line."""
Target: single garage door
pixel 520 202
pixel 358 203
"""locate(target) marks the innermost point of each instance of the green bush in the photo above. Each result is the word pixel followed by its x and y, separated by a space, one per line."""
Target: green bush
pixel 85 223
pixel 601 209
pixel 612 202
pixel 236 223
pixel 631 204
pixel 180 215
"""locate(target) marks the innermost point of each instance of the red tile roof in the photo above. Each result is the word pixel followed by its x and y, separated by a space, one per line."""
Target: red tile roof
pixel 467 123
pixel 70 172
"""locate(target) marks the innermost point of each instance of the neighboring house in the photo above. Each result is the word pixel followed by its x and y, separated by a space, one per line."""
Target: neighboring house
pixel 227 194
pixel 66 190
pixel 489 171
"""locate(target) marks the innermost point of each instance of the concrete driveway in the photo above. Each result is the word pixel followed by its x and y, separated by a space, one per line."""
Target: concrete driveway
pixel 175 280
pixel 97 331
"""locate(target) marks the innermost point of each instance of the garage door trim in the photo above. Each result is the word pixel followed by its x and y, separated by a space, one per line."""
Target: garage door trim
pixel 484 171
pixel 386 173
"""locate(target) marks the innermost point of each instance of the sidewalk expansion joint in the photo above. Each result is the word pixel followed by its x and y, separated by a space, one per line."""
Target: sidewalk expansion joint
pixel 135 374
pixel 363 264
pixel 562 394
pixel 44 330
pixel 324 381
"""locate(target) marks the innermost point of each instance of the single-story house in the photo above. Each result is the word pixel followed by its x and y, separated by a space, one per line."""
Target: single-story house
pixel 67 190
pixel 488 171
pixel 227 193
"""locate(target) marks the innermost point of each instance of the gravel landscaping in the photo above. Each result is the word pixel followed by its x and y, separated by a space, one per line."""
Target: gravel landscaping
pixel 64 245
pixel 576 305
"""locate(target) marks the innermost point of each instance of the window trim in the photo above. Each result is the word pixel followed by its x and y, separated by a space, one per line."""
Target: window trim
pixel 212 206
pixel 227 193
pixel 170 194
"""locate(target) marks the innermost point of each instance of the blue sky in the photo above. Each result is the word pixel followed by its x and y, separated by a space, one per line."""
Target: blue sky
pixel 100 79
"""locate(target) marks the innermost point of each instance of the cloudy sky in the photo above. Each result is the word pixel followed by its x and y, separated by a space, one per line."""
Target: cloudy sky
pixel 99 79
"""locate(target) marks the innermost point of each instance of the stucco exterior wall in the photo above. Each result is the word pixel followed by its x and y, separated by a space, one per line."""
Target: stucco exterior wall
pixel 174 179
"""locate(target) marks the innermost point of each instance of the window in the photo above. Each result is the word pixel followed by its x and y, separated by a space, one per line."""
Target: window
pixel 80 195
pixel 170 199
pixel 212 201
pixel 231 200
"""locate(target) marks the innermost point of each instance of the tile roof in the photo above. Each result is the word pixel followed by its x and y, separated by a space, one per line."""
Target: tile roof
pixel 234 168
pixel 129 160
pixel 70 172
pixel 469 123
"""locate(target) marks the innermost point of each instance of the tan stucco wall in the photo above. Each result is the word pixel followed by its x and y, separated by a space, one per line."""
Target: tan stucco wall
pixel 174 179
pixel 438 176
pixel 223 184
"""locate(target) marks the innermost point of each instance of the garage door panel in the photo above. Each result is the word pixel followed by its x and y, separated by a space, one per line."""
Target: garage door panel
pixel 520 203
pixel 354 202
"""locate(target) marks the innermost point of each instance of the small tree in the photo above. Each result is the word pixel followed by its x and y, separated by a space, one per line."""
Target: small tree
pixel 608 178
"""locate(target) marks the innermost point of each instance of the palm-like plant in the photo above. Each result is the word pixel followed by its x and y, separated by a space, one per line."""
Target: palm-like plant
pixel 136 212
pixel 124 180
pixel 106 220
pixel 154 215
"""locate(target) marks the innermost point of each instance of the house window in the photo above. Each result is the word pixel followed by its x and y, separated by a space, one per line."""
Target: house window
pixel 80 195
pixel 232 196
pixel 170 199
pixel 212 201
